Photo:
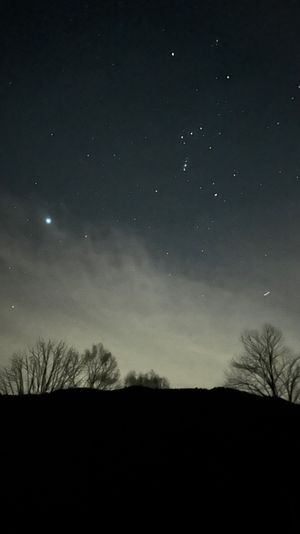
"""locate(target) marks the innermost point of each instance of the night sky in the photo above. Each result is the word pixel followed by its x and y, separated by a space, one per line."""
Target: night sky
pixel 150 178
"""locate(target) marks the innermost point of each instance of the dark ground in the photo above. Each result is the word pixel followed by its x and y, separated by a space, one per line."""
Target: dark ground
pixel 187 453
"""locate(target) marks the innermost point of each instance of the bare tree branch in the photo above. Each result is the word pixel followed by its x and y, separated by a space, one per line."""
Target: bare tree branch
pixel 266 367
pixel 45 367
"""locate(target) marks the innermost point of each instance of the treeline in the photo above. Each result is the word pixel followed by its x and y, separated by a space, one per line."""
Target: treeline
pixel 50 365
pixel 265 367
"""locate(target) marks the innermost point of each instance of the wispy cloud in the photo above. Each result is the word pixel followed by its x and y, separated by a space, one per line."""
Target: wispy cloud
pixel 63 285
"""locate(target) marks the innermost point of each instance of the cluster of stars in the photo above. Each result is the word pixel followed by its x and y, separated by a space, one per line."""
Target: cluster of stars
pixel 189 137
pixel 192 133
pixel 185 164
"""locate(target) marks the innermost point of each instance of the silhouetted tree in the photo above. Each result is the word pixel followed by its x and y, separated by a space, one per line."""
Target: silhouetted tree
pixel 266 367
pixel 100 368
pixel 45 367
pixel 49 366
pixel 149 380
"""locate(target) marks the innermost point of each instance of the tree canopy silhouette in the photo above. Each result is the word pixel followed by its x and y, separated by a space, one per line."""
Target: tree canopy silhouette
pixel 150 380
pixel 266 367
pixel 100 368
pixel 45 367
pixel 50 365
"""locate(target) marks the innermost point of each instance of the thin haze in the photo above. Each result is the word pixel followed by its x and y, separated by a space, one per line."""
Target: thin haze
pixel 111 289
pixel 150 178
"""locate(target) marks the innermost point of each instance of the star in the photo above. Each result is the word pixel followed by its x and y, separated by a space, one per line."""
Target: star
pixel 48 220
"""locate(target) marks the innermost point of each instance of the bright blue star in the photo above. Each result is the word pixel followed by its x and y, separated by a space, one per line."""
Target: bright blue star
pixel 48 220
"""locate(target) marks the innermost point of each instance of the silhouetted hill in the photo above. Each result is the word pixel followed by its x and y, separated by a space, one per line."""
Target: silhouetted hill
pixel 184 452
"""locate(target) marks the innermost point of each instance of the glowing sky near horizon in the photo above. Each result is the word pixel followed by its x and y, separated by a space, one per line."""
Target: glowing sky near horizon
pixel 150 178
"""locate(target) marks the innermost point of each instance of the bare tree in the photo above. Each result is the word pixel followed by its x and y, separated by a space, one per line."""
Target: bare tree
pixel 266 367
pixel 100 368
pixel 150 380
pixel 45 367
pixel 291 380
